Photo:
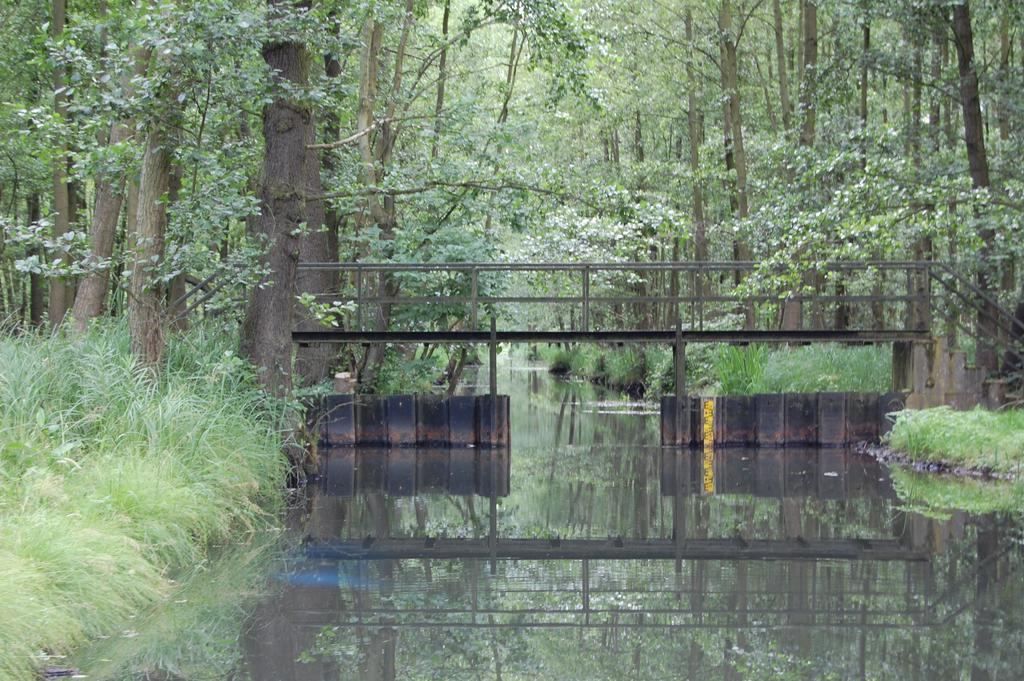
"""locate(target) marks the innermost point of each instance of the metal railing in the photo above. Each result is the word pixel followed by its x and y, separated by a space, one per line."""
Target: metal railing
pixel 875 297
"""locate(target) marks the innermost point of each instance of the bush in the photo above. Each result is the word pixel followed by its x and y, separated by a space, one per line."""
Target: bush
pixel 111 481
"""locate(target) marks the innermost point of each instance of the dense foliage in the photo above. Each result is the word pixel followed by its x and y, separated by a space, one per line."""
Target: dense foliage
pixel 460 130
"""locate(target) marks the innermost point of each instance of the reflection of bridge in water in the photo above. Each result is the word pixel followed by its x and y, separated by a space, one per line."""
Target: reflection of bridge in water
pixel 803 552
pixel 383 583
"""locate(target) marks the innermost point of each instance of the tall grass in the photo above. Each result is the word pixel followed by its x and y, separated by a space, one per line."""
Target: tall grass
pixel 811 368
pixel 977 438
pixel 111 482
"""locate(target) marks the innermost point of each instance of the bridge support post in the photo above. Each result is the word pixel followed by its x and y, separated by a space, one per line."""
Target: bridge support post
pixel 493 357
pixel 679 360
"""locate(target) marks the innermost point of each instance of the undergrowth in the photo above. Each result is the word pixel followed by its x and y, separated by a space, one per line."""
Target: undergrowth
pixel 111 482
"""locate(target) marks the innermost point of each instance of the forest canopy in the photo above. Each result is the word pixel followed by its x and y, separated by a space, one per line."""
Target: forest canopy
pixel 149 146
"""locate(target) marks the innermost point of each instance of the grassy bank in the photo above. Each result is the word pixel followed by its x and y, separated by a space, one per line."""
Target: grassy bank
pixel 973 439
pixel 728 370
pixel 111 483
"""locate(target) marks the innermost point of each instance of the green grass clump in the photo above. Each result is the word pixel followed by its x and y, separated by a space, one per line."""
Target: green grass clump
pixel 976 439
pixel 112 482
pixel 811 368
pixel 626 367
pixel 741 370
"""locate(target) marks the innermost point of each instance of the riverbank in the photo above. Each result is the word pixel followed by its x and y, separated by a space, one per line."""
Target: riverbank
pixel 977 439
pixel 945 460
pixel 112 483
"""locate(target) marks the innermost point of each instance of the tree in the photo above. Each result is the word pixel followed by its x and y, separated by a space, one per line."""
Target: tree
pixel 285 179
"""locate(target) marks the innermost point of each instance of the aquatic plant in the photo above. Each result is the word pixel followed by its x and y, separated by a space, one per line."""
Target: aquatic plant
pixel 112 481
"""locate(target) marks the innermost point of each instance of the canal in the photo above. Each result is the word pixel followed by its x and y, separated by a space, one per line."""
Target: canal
pixel 619 560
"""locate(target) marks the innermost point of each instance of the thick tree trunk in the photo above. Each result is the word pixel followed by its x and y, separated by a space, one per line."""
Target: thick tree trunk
pixel 59 296
pixel 287 129
pixel 145 293
pixel 974 140
pixel 732 92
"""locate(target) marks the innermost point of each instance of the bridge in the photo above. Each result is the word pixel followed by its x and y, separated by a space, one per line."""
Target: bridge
pixel 913 305
pixel 696 302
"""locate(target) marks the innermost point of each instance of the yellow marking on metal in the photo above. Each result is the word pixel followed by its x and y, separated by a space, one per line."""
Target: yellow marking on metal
pixel 709 446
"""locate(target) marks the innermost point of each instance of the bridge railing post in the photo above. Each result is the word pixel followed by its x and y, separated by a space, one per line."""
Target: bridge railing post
pixel 586 298
pixel 473 295
pixel 359 298
pixel 926 296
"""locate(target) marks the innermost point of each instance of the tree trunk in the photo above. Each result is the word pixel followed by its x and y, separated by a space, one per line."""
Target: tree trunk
pixel 917 64
pixel 1005 103
pixel 287 129
pixel 92 291
pixel 177 312
pixel 974 139
pixel 36 299
pixel 59 298
pixel 110 193
pixel 780 55
pixel 313 361
pixel 638 139
pixel 935 106
pixel 700 236
pixel 866 47
pixel 808 86
pixel 734 130
pixel 442 77
pixel 146 293
pixel 376 158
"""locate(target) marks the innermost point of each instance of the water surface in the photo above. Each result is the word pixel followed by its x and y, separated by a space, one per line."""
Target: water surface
pixel 623 560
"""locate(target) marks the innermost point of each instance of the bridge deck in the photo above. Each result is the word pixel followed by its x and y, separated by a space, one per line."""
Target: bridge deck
pixel 611 336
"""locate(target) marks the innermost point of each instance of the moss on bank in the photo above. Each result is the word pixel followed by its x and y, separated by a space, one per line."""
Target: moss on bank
pixel 977 439
pixel 111 482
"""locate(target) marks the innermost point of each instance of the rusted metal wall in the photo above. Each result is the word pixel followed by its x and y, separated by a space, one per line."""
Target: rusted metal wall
pixel 819 419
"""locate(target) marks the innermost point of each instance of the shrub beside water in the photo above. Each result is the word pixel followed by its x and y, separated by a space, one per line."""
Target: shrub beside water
pixel 111 482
